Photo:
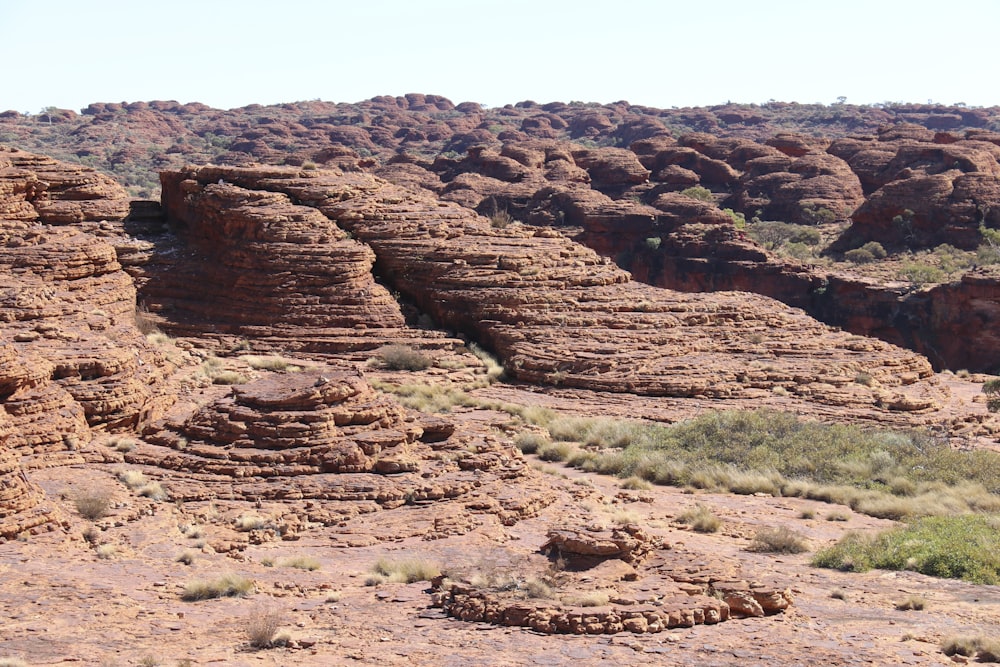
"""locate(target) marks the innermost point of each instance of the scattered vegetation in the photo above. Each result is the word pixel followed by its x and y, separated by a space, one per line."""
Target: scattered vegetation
pixel 882 473
pixel 93 503
pixel 587 599
pixel 106 551
pixel 213 369
pixel 780 540
pixel 501 220
pixel 699 192
pixel 403 358
pixel 228 585
pixel 406 571
pixel 701 519
pixel 955 547
pixel 439 397
pixel 773 235
pixel 984 649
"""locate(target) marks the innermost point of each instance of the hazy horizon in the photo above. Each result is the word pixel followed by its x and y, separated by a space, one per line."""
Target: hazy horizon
pixel 228 54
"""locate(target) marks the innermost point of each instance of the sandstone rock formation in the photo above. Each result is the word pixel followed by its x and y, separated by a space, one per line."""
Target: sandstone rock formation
pixel 557 313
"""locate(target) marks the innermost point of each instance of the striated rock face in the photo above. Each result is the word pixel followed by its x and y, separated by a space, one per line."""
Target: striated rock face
pixel 557 313
pixel 68 309
pixel 326 434
pixel 22 504
pixel 255 263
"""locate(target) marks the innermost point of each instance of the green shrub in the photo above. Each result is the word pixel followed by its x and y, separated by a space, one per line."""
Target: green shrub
pixel 955 547
pixel 529 442
pixel 698 192
pixel 859 256
pixel 916 272
pixel 875 249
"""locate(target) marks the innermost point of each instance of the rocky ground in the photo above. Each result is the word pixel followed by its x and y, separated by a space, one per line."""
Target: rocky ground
pixel 206 390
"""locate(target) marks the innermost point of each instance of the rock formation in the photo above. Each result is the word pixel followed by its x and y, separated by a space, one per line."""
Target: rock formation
pixel 559 314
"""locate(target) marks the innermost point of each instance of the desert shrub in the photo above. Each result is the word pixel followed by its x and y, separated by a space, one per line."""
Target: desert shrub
pixel 739 220
pixel 951 259
pixel 133 479
pixel 536 587
pixel 859 256
pixel 494 369
pixel 438 397
pixel 955 547
pixel 992 390
pixel 185 557
pixel 262 625
pixel 302 563
pixel 817 215
pixel 555 451
pixel 984 649
pixel 701 519
pixel 228 585
pixel 93 503
pixel 12 662
pixel 917 272
pixel 781 540
pixel 121 444
pixel 229 378
pixel 774 234
pixel 501 220
pixel 529 442
pixel 698 192
pixel 911 603
pixel 153 491
pixel 406 571
pixel 988 254
pixel 634 483
pixel 807 513
pixel 875 249
pixel 270 363
pixel 588 599
pixel 838 516
pixel 144 321
pixel 106 551
pixel 403 358
pixel 653 243
pixel 247 522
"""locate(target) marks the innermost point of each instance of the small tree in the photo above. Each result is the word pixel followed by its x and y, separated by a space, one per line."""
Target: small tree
pixel 992 391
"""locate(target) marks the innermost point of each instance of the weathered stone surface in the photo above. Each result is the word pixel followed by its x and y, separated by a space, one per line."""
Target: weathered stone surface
pixel 69 311
pixel 559 314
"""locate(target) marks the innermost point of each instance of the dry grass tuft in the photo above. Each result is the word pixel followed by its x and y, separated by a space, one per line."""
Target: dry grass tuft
pixel 93 504
pixel 911 603
pixel 302 563
pixel 228 585
pixel 780 540
pixel 701 519
pixel 262 625
pixel 406 571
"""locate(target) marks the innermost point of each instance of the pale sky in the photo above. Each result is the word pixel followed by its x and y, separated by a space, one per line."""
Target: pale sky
pixel 661 53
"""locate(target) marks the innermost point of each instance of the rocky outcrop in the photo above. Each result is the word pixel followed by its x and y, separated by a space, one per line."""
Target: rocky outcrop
pixel 661 589
pixel 254 263
pixel 69 310
pixel 559 314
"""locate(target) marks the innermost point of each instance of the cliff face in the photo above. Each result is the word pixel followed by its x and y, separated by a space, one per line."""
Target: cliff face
pixel 560 314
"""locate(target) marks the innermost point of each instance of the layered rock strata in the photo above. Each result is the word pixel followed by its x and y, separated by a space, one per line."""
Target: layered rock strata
pixel 325 434
pixel 649 588
pixel 67 308
pixel 559 314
